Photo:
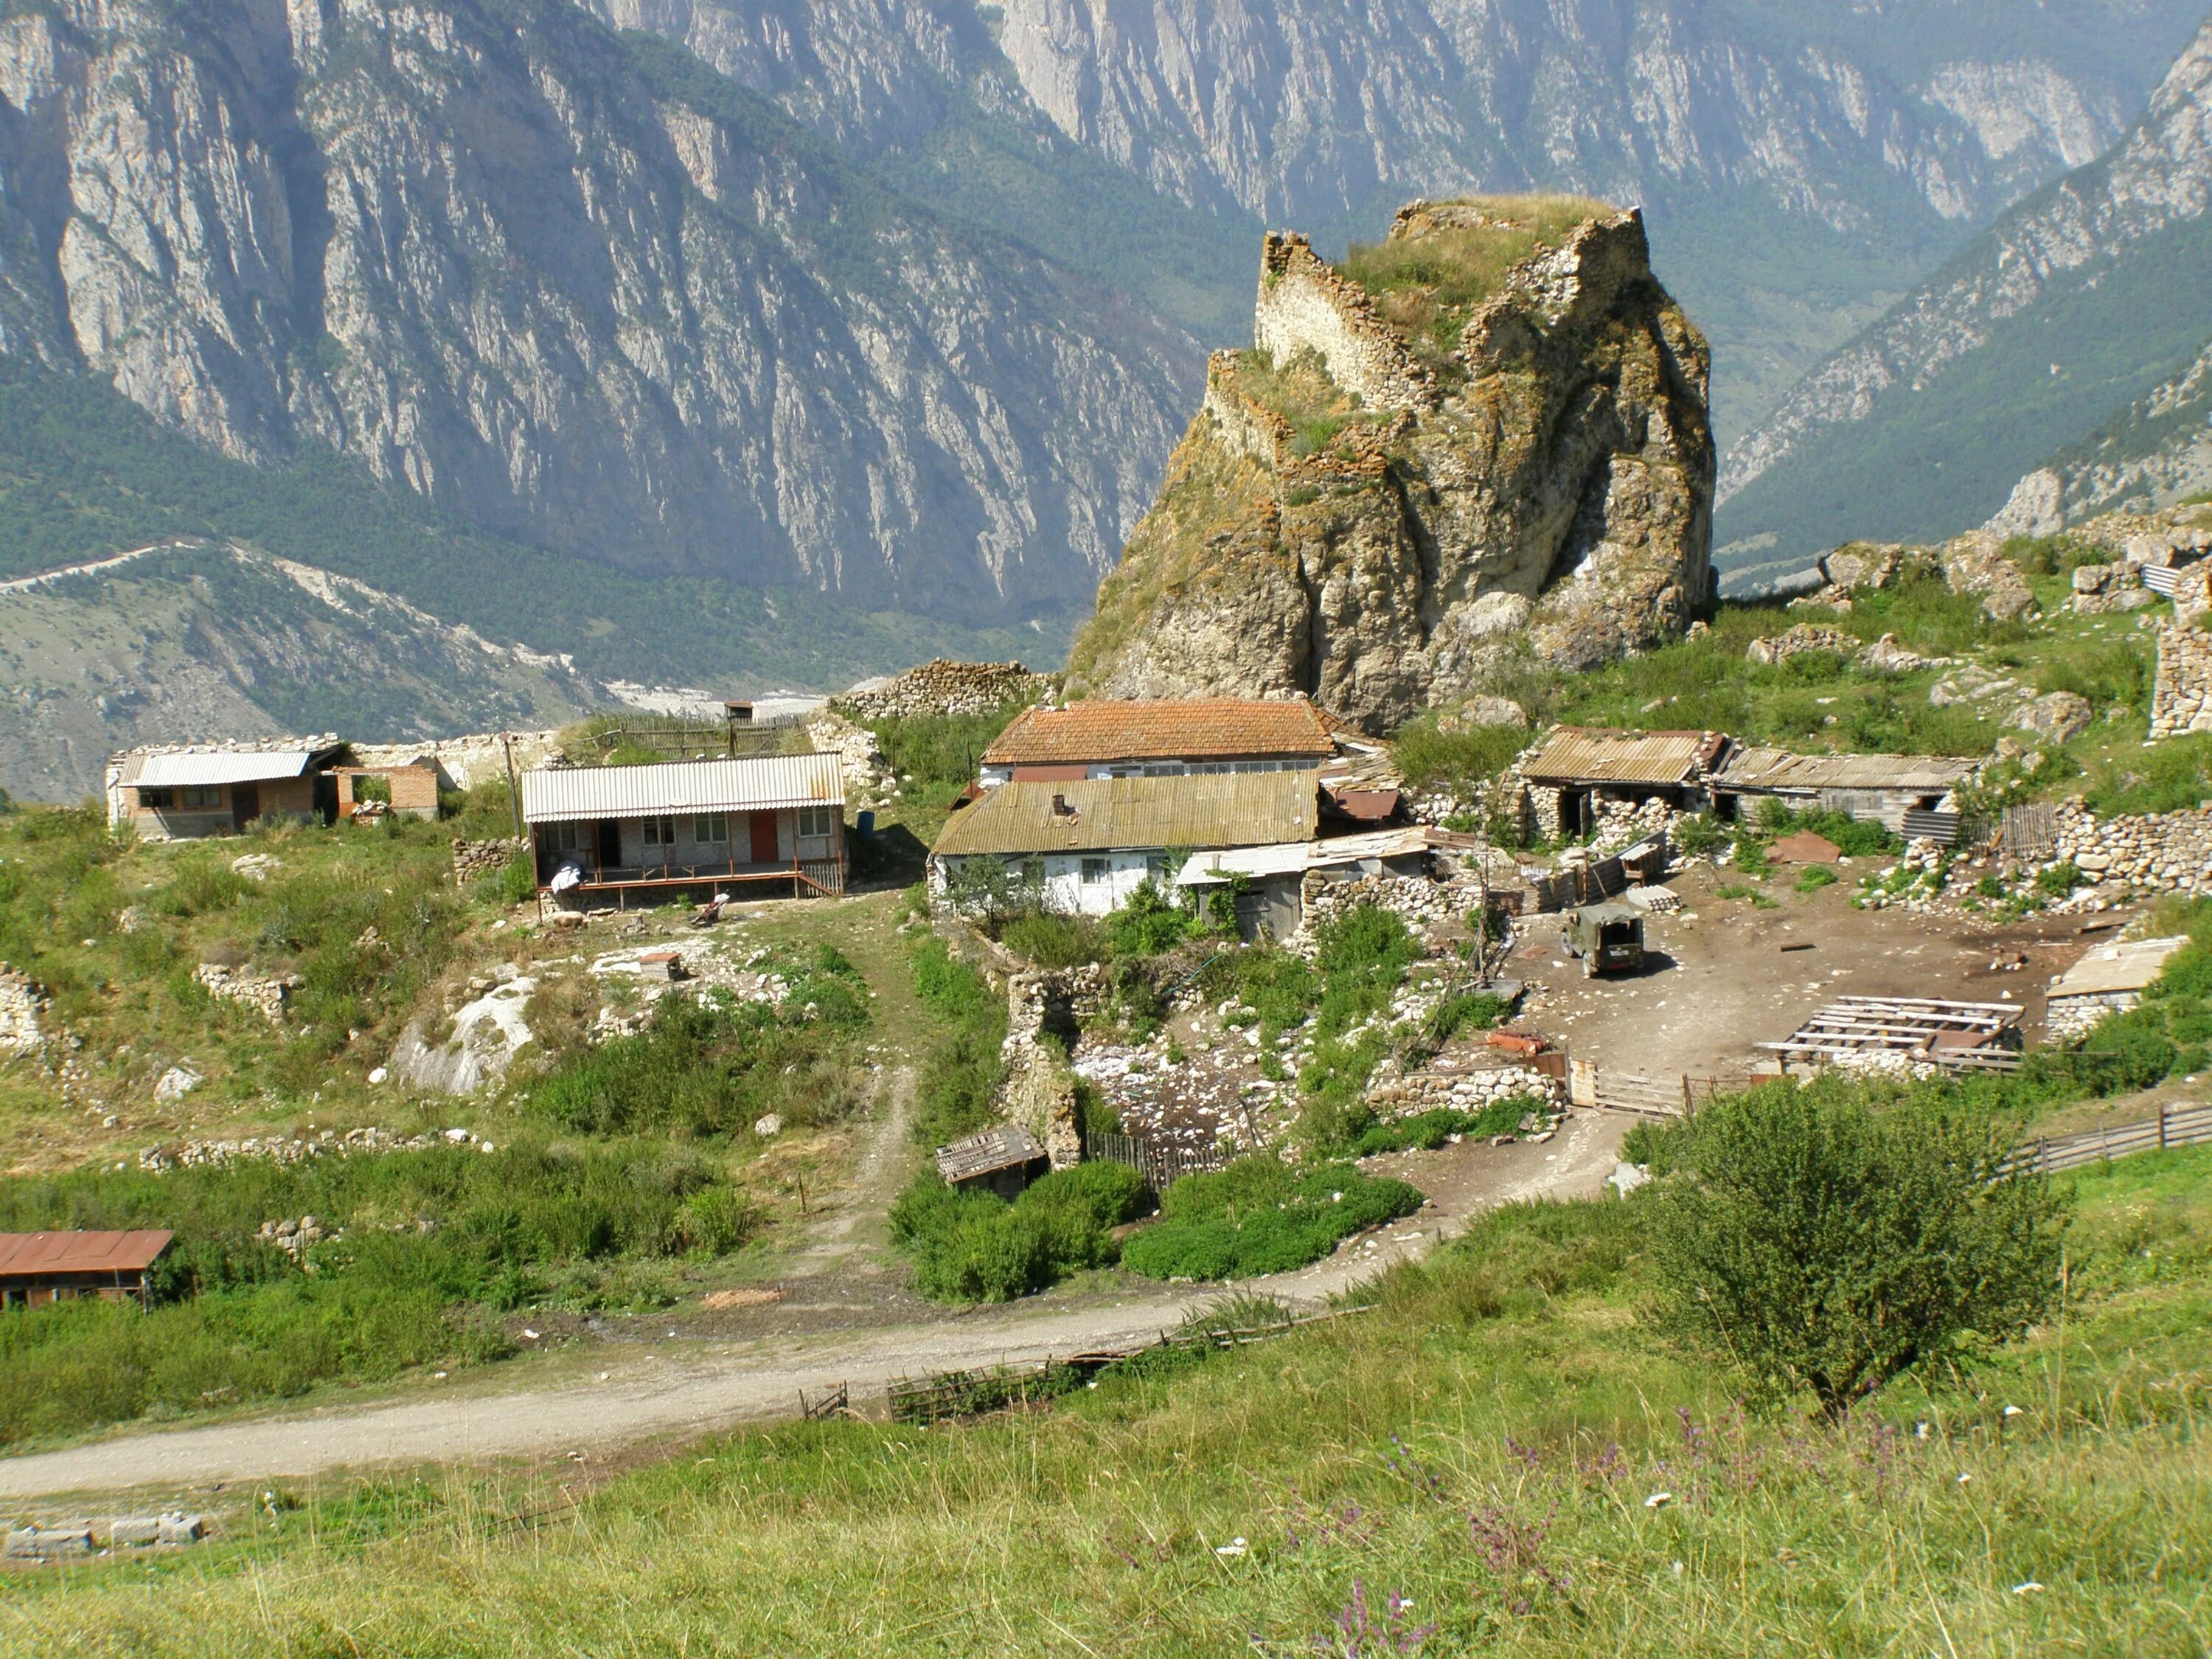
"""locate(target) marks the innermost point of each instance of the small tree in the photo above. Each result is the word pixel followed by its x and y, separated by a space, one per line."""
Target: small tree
pixel 1831 1246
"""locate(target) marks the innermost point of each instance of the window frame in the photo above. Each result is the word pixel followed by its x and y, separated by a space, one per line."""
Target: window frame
pixel 710 828
pixel 1092 871
pixel 660 830
pixel 199 798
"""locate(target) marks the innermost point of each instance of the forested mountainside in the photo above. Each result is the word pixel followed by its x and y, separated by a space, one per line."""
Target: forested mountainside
pixel 2075 306
pixel 2155 453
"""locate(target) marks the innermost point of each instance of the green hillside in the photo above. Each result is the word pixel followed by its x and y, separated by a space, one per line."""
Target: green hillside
pixel 84 473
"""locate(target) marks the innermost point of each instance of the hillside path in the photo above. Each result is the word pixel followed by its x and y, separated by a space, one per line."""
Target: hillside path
pixel 653 1395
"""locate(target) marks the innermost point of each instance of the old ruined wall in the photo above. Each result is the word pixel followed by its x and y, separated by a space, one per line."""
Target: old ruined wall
pixel 1305 306
pixel 2181 696
pixel 2161 852
pixel 21 1001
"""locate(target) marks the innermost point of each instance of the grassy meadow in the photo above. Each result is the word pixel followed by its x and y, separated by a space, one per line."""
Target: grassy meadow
pixel 1505 1457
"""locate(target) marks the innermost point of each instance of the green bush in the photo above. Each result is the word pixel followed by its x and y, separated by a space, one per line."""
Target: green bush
pixel 1259 1216
pixel 1055 941
pixel 1697 836
pixel 1460 762
pixel 956 1092
pixel 1429 1130
pixel 975 1247
pixel 2058 880
pixel 1818 1243
pixel 1147 924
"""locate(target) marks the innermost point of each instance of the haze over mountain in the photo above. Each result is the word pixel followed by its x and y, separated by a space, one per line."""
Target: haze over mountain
pixel 2075 324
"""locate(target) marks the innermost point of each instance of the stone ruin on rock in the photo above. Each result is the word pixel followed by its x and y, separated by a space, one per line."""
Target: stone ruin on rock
pixel 1486 435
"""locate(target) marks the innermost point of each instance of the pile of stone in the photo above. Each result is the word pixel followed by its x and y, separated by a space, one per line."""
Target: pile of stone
pixel 2181 696
pixel 1793 641
pixel 2165 853
pixel 868 780
pixel 1621 824
pixel 1422 904
pixel 473 859
pixel 2101 589
pixel 1915 881
pixel 297 1148
pixel 1975 563
pixel 267 996
pixel 942 686
pixel 1468 1091
pixel 295 1233
pixel 22 1001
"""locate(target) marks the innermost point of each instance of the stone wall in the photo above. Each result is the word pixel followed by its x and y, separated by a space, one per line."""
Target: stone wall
pixel 2181 697
pixel 1040 1088
pixel 266 996
pixel 473 858
pixel 1306 305
pixel 2167 851
pixel 1422 905
pixel 868 780
pixel 479 757
pixel 942 686
pixel 1463 1092
pixel 21 1001
pixel 1059 1001
pixel 2068 1019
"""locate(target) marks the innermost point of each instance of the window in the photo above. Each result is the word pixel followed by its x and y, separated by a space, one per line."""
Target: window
pixel 818 820
pixel 154 800
pixel 560 837
pixel 202 795
pixel 711 828
pixel 661 832
pixel 1096 870
pixel 1155 865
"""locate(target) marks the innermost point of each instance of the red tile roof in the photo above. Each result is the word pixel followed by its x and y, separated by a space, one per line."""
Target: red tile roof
pixel 1196 730
pixel 79 1253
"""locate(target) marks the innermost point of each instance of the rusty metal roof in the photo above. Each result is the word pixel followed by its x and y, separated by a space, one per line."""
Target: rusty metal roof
pixel 1195 729
pixel 771 781
pixel 1007 1147
pixel 1204 809
pixel 24 1255
pixel 1580 754
pixel 1779 770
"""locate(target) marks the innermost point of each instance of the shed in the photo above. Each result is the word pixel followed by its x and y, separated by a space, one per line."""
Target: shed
pixel 1003 1160
pixel 603 833
pixel 1575 763
pixel 1272 879
pixel 1086 846
pixel 2108 980
pixel 1878 788
pixel 187 792
pixel 62 1266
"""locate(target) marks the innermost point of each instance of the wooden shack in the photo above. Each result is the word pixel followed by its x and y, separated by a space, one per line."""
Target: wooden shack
pixel 39 1268
pixel 1003 1160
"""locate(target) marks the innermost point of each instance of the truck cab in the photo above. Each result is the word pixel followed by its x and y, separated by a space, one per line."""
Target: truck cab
pixel 1608 937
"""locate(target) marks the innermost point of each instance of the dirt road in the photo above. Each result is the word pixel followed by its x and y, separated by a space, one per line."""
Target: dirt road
pixel 672 1392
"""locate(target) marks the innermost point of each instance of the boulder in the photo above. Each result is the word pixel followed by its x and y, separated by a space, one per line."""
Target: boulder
pixel 2056 716
pixel 1485 711
pixel 1975 563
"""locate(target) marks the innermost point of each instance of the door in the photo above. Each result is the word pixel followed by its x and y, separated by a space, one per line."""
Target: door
pixel 610 843
pixel 763 832
pixel 245 803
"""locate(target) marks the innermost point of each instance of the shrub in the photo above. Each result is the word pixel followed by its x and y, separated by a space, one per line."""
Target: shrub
pixel 1697 836
pixel 1820 1245
pixel 1429 1130
pixel 956 1092
pixel 1814 877
pixel 975 1247
pixel 1147 924
pixel 1054 941
pixel 2058 880
pixel 1259 1216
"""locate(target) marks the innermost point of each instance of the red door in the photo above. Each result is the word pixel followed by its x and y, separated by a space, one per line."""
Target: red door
pixel 763 837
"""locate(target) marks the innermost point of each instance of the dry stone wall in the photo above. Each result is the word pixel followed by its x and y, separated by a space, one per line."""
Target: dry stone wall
pixel 942 686
pixel 22 1001
pixel 2166 852
pixel 1424 905
pixel 1306 305
pixel 2181 697
pixel 475 859
pixel 266 995
pixel 1464 1092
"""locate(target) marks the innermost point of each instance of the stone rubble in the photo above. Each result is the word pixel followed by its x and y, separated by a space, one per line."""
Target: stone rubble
pixel 22 1004
pixel 267 996
pixel 942 686
pixel 283 1150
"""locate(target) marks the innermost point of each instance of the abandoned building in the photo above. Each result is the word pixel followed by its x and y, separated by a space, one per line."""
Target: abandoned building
pixel 184 792
pixel 1576 767
pixel 2110 980
pixel 603 834
pixel 1878 788
pixel 1084 845
pixel 1271 884
pixel 1004 1161
pixel 36 1268
pixel 409 791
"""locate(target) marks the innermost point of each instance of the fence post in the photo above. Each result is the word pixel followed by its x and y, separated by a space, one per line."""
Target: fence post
pixel 2161 1126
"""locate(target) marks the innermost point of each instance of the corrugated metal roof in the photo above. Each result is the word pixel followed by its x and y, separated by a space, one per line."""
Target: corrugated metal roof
pixel 1220 809
pixel 24 1253
pixel 554 796
pixel 1574 754
pixel 1192 729
pixel 1203 868
pixel 191 770
pixel 2128 967
pixel 1007 1147
pixel 1777 768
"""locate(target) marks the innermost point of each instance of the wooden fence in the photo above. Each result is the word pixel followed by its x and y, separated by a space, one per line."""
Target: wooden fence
pixel 2174 1126
pixel 837 1402
pixel 2028 833
pixel 1160 1163
pixel 1673 1094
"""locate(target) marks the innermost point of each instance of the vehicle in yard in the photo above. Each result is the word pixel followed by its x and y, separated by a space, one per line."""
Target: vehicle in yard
pixel 1608 937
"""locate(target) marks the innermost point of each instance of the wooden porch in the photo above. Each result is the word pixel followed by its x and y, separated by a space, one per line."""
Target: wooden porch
pixel 808 878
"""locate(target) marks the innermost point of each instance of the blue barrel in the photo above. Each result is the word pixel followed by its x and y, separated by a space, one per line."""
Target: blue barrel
pixel 865 823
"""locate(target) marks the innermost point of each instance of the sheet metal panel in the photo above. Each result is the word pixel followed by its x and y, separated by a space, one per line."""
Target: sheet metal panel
pixel 2129 967
pixel 765 784
pixel 1222 808
pixel 190 771
pixel 24 1253
pixel 1779 770
pixel 1008 1147
pixel 1588 755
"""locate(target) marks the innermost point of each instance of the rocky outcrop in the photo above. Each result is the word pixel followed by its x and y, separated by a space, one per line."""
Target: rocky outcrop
pixel 22 1001
pixel 1417 479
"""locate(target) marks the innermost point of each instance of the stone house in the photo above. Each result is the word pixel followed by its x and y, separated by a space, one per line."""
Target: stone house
pixel 1577 769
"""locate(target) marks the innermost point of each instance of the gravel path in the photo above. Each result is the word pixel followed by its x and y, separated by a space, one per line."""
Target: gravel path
pixel 651 1395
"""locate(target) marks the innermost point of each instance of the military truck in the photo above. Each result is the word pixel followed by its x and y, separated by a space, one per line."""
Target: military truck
pixel 1608 937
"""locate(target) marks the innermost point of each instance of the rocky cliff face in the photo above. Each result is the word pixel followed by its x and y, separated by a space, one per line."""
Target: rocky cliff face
pixel 2158 451
pixel 2079 300
pixel 1486 435
pixel 572 285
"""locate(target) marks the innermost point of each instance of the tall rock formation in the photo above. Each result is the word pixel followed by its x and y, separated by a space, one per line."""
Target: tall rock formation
pixel 1487 434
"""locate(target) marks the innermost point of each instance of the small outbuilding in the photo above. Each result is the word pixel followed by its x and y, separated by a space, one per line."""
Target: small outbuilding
pixel 1003 1160
pixel 2110 979
pixel 1875 788
pixel 37 1268
pixel 1578 766
pixel 186 792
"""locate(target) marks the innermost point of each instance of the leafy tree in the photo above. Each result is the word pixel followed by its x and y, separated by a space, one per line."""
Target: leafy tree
pixel 1830 1246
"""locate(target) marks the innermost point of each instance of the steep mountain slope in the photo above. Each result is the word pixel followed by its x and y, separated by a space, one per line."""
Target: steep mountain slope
pixel 2157 453
pixel 195 641
pixel 573 286
pixel 2082 299
pixel 1486 435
